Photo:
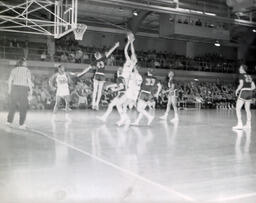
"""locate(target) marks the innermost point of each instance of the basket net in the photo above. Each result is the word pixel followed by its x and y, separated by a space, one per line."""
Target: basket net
pixel 79 31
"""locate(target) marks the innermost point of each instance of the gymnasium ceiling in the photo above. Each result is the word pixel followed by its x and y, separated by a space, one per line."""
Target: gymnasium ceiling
pixel 118 13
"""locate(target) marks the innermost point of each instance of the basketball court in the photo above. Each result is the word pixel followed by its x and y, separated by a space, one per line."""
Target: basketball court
pixel 76 158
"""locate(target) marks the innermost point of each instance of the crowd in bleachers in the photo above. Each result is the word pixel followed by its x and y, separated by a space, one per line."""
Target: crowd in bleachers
pixel 68 50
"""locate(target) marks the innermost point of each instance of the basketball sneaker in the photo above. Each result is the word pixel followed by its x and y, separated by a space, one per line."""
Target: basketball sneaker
pixel 237 127
pixel 174 120
pixel 248 125
pixel 23 127
pixel 102 118
pixel 164 117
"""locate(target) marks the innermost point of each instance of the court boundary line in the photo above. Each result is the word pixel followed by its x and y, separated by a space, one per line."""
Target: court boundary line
pixel 126 171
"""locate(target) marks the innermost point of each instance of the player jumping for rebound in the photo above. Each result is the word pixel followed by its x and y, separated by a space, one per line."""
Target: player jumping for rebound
pixel 133 81
pixel 148 87
pixel 245 94
pixel 130 61
pixel 172 99
pixel 99 76
pixel 131 94
pixel 118 87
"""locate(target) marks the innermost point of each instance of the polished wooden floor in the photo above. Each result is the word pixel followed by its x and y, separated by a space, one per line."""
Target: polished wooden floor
pixel 75 158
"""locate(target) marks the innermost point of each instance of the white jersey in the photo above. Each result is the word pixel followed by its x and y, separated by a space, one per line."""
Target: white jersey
pixel 127 69
pixel 62 85
pixel 134 84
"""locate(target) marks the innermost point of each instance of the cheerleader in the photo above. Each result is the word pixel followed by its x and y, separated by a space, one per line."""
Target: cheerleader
pixel 172 99
pixel 99 76
pixel 244 92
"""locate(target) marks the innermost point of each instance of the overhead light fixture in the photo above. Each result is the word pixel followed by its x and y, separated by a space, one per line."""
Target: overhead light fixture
pixel 135 13
pixel 196 80
pixel 217 44
pixel 254 30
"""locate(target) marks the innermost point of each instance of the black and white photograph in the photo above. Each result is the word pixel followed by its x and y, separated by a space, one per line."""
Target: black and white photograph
pixel 127 101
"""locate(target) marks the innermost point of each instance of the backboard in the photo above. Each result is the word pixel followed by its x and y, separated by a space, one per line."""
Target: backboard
pixel 43 17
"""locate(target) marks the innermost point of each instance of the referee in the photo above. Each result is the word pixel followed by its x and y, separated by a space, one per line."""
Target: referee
pixel 19 90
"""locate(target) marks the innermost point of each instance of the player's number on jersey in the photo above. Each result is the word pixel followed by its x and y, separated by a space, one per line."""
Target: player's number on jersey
pixel 150 81
pixel 100 64
pixel 62 81
pixel 248 78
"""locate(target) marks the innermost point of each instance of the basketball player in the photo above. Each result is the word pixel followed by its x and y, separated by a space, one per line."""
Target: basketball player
pixel 133 81
pixel 147 94
pixel 62 80
pixel 245 94
pixel 119 87
pixel 99 76
pixel 129 99
pixel 172 99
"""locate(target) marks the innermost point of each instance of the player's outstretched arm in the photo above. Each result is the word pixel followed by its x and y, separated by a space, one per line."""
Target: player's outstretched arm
pixel 112 49
pixel 133 56
pixel 119 87
pixel 51 81
pixel 84 71
pixel 127 57
pixel 111 86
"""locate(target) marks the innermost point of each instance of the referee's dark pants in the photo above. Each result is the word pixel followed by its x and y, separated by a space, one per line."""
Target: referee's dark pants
pixel 18 99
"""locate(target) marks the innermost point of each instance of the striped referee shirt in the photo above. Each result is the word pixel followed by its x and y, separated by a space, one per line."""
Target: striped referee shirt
pixel 20 76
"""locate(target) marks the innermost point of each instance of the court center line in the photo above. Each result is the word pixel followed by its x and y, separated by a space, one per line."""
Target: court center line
pixel 164 188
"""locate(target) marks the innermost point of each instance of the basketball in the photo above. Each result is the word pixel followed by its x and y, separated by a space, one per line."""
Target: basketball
pixel 130 36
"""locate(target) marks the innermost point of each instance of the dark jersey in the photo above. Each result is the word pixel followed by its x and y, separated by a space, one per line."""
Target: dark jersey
pixel 99 64
pixel 120 81
pixel 149 84
pixel 247 79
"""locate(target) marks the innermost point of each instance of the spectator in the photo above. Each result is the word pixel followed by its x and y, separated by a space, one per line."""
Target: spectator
pixel 43 56
pixel 63 57
pixel 78 56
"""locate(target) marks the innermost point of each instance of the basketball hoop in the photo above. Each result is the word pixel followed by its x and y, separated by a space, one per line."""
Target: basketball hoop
pixel 79 31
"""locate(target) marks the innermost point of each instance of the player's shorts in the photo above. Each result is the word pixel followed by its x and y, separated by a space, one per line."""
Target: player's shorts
pixel 99 77
pixel 62 92
pixel 246 95
pixel 146 96
pixel 132 93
